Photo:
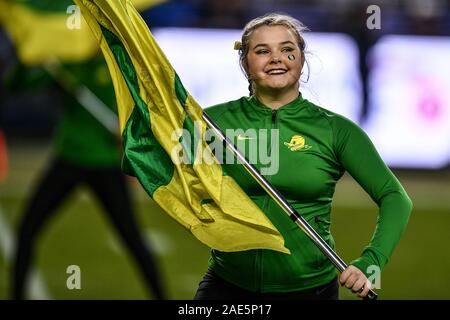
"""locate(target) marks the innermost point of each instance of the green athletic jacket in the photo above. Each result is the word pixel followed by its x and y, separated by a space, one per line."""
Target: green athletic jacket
pixel 316 147
pixel 79 138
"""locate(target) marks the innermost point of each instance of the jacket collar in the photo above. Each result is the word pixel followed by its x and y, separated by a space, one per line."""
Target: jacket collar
pixel 294 105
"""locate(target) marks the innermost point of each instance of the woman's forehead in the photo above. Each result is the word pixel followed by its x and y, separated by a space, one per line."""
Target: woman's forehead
pixel 272 35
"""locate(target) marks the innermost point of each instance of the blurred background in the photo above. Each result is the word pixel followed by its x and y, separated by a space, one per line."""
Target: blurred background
pixel 385 67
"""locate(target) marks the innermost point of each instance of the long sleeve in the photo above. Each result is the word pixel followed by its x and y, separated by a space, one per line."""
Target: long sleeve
pixel 359 157
pixel 21 78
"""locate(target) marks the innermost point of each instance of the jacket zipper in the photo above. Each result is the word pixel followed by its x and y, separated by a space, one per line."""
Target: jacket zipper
pixel 319 223
pixel 274 116
pixel 272 126
pixel 259 252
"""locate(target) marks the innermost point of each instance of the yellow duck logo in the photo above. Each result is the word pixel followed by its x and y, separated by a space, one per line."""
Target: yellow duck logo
pixel 297 144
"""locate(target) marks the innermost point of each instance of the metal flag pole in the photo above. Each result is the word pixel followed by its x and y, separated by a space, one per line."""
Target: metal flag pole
pixel 287 208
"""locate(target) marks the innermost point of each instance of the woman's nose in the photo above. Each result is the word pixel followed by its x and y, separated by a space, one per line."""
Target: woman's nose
pixel 276 60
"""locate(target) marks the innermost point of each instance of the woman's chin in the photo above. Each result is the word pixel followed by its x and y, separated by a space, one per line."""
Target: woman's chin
pixel 278 87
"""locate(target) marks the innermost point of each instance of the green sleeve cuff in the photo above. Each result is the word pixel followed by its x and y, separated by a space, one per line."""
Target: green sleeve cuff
pixel 362 264
pixel 368 260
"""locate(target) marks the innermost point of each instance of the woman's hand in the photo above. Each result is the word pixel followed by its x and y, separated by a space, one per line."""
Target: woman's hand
pixel 354 279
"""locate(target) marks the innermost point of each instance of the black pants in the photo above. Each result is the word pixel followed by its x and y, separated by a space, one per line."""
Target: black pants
pixel 213 287
pixel 110 187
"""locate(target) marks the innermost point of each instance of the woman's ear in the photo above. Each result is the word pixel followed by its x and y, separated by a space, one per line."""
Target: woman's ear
pixel 302 60
pixel 245 67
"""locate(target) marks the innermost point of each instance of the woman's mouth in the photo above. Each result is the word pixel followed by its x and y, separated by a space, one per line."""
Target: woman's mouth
pixel 274 72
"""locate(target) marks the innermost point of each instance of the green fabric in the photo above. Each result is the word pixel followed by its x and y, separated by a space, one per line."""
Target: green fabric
pixel 143 157
pixel 142 151
pixel 180 91
pixel 307 179
pixel 79 138
pixel 189 147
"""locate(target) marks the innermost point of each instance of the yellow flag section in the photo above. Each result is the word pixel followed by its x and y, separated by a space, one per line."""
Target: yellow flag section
pixel 39 33
pixel 48 29
pixel 153 105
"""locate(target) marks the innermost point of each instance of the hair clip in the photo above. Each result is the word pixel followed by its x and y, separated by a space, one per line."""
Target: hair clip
pixel 237 45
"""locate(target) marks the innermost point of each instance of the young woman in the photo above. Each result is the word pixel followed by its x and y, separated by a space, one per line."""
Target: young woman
pixel 316 147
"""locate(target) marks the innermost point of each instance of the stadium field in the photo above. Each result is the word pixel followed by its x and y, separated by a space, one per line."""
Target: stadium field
pixel 81 235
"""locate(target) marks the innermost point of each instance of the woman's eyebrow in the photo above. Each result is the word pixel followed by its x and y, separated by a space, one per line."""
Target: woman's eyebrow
pixel 266 45
pixel 260 45
pixel 287 42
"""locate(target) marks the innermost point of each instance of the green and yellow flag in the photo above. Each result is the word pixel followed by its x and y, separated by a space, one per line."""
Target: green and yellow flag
pixel 48 29
pixel 153 104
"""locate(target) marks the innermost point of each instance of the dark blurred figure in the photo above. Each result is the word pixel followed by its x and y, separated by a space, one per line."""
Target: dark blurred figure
pixel 3 154
pixel 85 152
pixel 427 17
pixel 354 23
pixel 4 49
pixel 223 14
pixel 174 13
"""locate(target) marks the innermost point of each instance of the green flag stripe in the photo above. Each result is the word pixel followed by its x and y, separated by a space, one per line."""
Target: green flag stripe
pixel 143 155
pixel 141 148
pixel 206 201
pixel 188 124
pixel 180 91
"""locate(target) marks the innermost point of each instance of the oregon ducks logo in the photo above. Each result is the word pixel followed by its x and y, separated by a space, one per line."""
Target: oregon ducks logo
pixel 297 144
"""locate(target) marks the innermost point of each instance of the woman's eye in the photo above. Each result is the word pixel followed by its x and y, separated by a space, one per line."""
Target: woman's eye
pixel 262 52
pixel 287 49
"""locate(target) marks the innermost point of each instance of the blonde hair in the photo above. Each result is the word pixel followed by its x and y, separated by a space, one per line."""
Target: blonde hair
pixel 271 19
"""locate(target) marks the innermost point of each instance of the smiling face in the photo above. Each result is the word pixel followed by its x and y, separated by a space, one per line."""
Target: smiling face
pixel 269 62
